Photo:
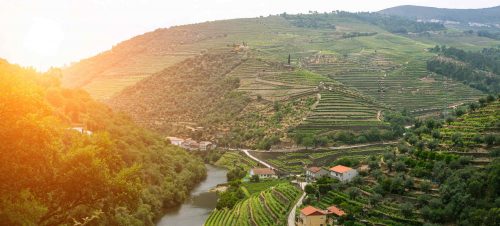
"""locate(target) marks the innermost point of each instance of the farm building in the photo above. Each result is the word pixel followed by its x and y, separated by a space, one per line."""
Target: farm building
pixel 206 145
pixel 190 144
pixel 263 173
pixel 314 172
pixel 311 216
pixel 175 140
pixel 343 173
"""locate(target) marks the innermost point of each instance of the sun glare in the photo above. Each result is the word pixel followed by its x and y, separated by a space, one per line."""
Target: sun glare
pixel 43 38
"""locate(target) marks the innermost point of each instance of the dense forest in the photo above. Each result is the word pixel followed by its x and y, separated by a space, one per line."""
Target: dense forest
pixel 110 173
pixel 489 34
pixel 393 24
pixel 480 70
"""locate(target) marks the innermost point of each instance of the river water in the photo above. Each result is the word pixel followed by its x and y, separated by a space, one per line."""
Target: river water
pixel 195 210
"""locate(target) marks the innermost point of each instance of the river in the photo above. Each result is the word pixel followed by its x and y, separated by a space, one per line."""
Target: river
pixel 195 210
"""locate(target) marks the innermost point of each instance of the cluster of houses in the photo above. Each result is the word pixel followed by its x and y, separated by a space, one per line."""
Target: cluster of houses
pixel 191 144
pixel 312 216
pixel 342 173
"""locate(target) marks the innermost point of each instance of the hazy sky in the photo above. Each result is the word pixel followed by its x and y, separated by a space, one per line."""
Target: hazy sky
pixel 43 33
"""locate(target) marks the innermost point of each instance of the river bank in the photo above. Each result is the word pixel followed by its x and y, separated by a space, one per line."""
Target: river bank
pixel 195 210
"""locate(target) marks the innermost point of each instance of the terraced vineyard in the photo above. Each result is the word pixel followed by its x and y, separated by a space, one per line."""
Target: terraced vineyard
pixel 484 121
pixel 231 159
pixel 338 111
pixel 257 77
pixel 383 213
pixel 402 85
pixel 294 162
pixel 269 207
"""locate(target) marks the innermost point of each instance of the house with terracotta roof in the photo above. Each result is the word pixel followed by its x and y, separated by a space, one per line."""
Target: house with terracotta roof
pixel 263 173
pixel 343 173
pixel 311 216
pixel 315 172
pixel 334 210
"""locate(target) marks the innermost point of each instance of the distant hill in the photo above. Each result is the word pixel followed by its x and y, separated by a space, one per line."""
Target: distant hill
pixel 486 15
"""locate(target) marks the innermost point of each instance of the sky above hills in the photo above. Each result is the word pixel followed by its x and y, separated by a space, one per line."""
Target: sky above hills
pixel 57 32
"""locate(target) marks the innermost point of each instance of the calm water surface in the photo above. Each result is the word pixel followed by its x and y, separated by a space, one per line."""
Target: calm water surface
pixel 198 206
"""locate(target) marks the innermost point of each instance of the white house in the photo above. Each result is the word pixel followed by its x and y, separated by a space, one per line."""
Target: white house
pixel 206 145
pixel 315 172
pixel 82 130
pixel 343 173
pixel 175 140
pixel 263 173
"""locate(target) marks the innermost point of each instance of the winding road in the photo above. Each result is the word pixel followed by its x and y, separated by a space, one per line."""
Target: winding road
pixel 291 216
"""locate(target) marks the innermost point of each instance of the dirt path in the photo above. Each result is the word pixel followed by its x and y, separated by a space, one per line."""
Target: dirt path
pixel 379 113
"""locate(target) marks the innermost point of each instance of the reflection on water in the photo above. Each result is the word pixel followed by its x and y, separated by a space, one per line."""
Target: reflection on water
pixel 195 210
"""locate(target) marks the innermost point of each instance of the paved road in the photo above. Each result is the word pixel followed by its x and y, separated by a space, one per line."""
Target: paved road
pixel 291 216
pixel 360 145
pixel 256 159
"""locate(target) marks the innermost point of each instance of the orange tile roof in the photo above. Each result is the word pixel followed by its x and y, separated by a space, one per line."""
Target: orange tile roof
pixel 340 169
pixel 336 211
pixel 261 171
pixel 314 169
pixel 310 210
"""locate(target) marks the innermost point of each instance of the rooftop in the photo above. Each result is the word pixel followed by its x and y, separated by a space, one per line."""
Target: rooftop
pixel 314 169
pixel 336 211
pixel 261 171
pixel 311 210
pixel 340 169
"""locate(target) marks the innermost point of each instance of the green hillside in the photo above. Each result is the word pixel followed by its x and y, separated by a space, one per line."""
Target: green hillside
pixel 346 71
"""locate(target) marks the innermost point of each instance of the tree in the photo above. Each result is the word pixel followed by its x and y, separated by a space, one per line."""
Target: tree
pixel 389 164
pixel 255 178
pixel 456 138
pixel 407 209
pixel 375 199
pixel 310 189
pixel 353 192
pixel 425 186
pixel 489 139
pixel 433 144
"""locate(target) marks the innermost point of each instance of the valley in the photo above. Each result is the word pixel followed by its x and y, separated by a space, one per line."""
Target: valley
pixel 385 118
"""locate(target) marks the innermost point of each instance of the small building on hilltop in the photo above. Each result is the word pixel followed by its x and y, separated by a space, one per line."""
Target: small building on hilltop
pixel 263 173
pixel 343 173
pixel 311 216
pixel 315 172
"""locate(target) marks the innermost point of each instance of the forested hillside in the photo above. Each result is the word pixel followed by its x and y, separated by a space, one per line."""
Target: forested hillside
pixel 480 70
pixel 486 15
pixel 66 159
